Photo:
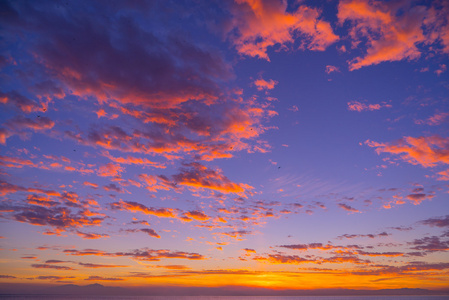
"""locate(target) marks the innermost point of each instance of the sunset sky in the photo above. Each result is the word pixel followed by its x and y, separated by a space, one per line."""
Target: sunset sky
pixel 253 143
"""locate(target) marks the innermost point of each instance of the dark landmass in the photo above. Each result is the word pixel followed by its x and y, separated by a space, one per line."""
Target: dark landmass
pixel 98 289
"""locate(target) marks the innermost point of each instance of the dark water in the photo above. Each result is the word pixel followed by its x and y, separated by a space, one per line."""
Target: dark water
pixel 59 297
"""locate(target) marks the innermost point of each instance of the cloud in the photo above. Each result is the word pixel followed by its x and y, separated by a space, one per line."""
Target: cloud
pixel 441 70
pixel 150 232
pixel 96 266
pixel 60 218
pixel 443 175
pixel 113 187
pixel 41 201
pixel 330 69
pixel 21 102
pixel 197 215
pixel 55 261
pixel 430 244
pixel 262 24
pixel 20 123
pixel 144 254
pixel 348 208
pixel 237 234
pixel 195 175
pixel 174 267
pixel 410 268
pixel 137 207
pixel 294 108
pixel 262 84
pixel 141 68
pixel 371 236
pixel 437 119
pixel 387 254
pixel 249 251
pixel 283 259
pixel 47 266
pixel 437 222
pixel 425 151
pixel 359 106
pixel 418 198
pixel 390 35
pixel 179 98
pixel 91 236
pixel 130 160
pixel 51 277
pixel 155 183
pixel 110 170
pixel 319 246
pixel 100 278
pixel 87 183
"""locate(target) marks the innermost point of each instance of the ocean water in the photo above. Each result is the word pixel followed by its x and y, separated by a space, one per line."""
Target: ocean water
pixel 64 297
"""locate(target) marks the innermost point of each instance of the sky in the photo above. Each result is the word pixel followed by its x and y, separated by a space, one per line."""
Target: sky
pixel 251 143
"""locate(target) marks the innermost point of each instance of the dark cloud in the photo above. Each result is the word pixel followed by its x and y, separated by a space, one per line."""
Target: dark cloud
pixel 430 244
pixel 49 266
pixel 437 222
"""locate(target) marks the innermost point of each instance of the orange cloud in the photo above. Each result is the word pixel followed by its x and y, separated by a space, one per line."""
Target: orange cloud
pixel 443 175
pixel 41 200
pixel 263 24
pixel 110 170
pixel 137 207
pixel 15 162
pixel 197 215
pixel 389 34
pixel 94 185
pixel 199 176
pixel 419 197
pixel 155 183
pixel 133 161
pixel 348 208
pixel 262 84
pixel 238 234
pixel 425 151
pixel 91 236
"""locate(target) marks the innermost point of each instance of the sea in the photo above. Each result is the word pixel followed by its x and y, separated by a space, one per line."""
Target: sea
pixel 65 297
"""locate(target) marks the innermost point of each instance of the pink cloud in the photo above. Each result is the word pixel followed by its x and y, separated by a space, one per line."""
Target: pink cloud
pixel 437 119
pixel 330 69
pixel 359 106
pixel 110 170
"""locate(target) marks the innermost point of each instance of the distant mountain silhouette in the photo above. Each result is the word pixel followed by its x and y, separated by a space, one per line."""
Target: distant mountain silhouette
pixel 98 289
